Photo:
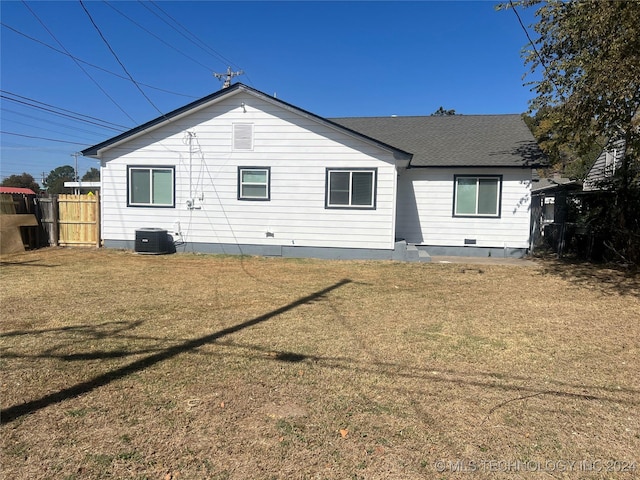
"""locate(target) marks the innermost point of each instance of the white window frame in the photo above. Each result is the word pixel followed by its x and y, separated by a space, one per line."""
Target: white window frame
pixel 497 178
pixel 267 184
pixel 374 184
pixel 151 169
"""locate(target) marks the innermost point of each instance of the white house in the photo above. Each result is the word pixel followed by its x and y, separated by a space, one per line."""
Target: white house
pixel 605 166
pixel 240 171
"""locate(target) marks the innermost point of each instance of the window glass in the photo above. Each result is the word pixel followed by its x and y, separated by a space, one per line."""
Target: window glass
pixel 140 186
pixel 162 187
pixel 151 186
pixel 351 188
pixel 477 196
pixel 362 188
pixel 466 196
pixel 254 176
pixel 253 184
pixel 339 188
pixel 254 191
pixel 487 196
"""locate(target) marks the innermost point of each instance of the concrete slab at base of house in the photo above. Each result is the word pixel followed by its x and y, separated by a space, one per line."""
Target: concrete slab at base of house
pixel 469 251
pixel 402 251
pixel 522 262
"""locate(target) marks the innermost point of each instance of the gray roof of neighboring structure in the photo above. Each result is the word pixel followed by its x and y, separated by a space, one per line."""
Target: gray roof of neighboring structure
pixel 551 184
pixel 455 140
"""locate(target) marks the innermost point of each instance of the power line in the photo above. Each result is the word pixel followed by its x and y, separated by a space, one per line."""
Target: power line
pixel 40 138
pixel 118 59
pixel 5 121
pixel 77 63
pixel 533 45
pixel 49 122
pixel 73 115
pixel 197 42
pixel 91 64
pixel 195 39
pixel 157 37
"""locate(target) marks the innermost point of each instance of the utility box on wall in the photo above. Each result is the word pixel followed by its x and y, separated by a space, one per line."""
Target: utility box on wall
pixel 152 241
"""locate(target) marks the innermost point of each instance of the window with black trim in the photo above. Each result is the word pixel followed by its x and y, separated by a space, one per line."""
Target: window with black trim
pixel 254 183
pixel 151 186
pixel 477 195
pixel 351 188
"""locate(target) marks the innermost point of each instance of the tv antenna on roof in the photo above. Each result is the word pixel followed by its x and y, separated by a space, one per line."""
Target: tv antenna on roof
pixel 227 76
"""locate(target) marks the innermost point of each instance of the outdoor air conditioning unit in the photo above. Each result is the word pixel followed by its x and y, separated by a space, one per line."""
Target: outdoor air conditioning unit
pixel 153 241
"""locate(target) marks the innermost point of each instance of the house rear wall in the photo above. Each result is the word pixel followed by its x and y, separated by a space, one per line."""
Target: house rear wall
pixel 296 148
pixel 432 223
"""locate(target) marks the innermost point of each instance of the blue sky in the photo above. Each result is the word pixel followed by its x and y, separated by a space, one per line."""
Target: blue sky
pixel 331 58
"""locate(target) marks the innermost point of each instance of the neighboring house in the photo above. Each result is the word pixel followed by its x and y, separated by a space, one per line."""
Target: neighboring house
pixel 18 200
pixel 550 195
pixel 17 190
pixel 81 187
pixel 605 166
pixel 551 199
pixel 240 171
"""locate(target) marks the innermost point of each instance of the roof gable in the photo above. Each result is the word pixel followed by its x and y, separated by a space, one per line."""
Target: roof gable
pixel 96 150
pixel 456 140
pixel 606 165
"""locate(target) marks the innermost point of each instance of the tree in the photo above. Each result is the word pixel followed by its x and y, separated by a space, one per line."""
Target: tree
pixel 54 183
pixel 92 175
pixel 587 58
pixel 24 180
pixel 441 112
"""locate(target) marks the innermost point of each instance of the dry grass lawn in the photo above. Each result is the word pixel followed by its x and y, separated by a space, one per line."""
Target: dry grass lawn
pixel 117 365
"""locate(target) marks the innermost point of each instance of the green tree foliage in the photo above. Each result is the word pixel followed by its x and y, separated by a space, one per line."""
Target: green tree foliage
pixel 586 61
pixel 92 175
pixel 23 180
pixel 441 112
pixel 54 183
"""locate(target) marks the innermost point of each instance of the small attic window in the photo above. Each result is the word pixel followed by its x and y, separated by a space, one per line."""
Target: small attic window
pixel 243 136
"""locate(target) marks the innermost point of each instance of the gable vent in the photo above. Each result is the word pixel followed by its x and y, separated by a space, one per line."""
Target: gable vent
pixel 243 136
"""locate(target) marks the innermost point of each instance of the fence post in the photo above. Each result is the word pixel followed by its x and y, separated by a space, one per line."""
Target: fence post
pixel 54 216
pixel 98 219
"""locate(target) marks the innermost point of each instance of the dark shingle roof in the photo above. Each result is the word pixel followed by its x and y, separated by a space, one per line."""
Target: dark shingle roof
pixel 455 140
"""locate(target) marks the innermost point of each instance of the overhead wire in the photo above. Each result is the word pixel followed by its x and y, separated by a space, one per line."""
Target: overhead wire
pixel 49 122
pixel 106 42
pixel 157 37
pixel 192 38
pixel 73 115
pixel 196 40
pixel 39 138
pixel 45 129
pixel 97 67
pixel 78 64
pixel 533 45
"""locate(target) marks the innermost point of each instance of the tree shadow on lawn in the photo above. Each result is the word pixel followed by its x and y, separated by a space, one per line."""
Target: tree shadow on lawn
pixel 16 411
pixel 606 278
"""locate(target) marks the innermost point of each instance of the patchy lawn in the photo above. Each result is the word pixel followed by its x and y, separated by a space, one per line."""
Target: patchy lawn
pixel 117 365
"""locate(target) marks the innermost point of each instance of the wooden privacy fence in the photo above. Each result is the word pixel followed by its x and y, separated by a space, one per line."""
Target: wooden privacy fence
pixel 72 220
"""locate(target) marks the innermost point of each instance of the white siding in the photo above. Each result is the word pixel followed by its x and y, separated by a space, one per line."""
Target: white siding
pixel 297 149
pixel 425 209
